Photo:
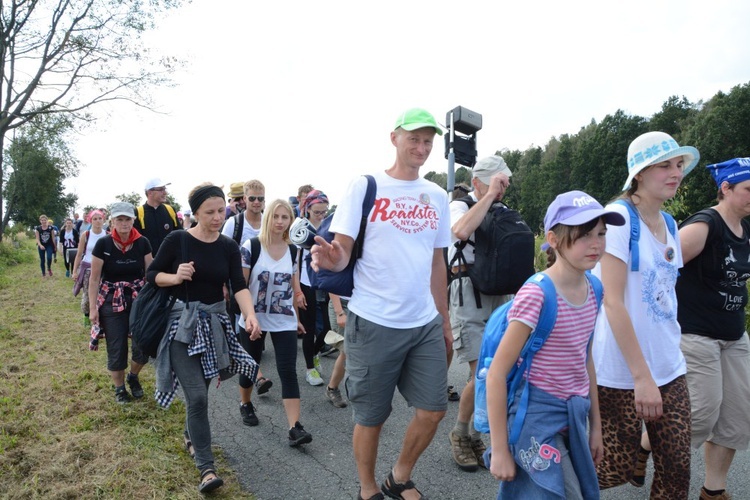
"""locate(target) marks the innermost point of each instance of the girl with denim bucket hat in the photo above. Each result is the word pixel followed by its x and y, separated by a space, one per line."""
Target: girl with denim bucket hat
pixel 554 457
pixel 640 368
pixel 712 292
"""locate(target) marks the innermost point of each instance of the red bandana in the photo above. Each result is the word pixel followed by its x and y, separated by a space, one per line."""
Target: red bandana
pixel 126 245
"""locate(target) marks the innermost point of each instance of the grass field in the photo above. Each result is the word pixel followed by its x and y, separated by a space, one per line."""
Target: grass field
pixel 61 433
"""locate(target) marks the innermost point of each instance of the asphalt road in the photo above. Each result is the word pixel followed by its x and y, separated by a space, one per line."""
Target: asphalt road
pixel 325 469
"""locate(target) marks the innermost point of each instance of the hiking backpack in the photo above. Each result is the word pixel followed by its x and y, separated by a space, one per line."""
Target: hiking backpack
pixel 342 282
pixel 635 231
pixel 142 215
pixel 503 251
pixel 493 334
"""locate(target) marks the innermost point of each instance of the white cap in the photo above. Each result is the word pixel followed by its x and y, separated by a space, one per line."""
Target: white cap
pixel 155 183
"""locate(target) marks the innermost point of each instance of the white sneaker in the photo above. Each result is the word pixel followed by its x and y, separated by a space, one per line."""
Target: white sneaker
pixel 316 364
pixel 313 377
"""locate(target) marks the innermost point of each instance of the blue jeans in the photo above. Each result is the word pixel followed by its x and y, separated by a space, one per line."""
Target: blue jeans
pixel 48 251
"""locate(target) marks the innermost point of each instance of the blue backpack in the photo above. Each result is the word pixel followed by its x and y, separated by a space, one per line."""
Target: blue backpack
pixel 635 231
pixel 493 334
pixel 342 282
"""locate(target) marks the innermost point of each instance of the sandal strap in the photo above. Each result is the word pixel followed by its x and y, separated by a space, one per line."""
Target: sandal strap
pixel 398 488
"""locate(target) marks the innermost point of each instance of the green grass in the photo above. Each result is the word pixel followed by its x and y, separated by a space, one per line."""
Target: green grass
pixel 61 433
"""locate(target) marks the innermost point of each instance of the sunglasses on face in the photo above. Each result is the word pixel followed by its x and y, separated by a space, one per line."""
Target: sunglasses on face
pixel 254 198
pixel 158 189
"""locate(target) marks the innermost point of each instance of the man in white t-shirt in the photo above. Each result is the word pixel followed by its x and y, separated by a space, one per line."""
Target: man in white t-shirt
pixel 247 225
pixel 397 329
pixel 469 308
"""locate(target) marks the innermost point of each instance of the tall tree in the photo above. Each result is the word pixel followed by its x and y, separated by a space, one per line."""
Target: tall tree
pixel 65 56
pixel 39 161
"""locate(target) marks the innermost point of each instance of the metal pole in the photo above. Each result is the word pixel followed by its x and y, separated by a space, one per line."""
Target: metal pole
pixel 451 160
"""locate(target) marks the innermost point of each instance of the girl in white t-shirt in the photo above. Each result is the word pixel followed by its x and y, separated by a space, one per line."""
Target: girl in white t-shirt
pixel 639 365
pixel 553 455
pixel 273 283
pixel 82 264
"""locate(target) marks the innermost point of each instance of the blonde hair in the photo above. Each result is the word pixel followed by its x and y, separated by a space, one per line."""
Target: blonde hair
pixel 267 224
pixel 253 185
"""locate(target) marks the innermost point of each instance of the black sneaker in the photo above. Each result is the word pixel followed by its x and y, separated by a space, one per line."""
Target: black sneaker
pixel 328 350
pixel 135 386
pixel 122 396
pixel 298 435
pixel 249 417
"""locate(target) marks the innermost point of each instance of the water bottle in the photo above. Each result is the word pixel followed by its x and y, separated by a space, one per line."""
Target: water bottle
pixel 481 421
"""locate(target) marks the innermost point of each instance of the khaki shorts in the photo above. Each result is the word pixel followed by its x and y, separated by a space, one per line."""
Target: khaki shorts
pixel 379 359
pixel 718 376
pixel 467 321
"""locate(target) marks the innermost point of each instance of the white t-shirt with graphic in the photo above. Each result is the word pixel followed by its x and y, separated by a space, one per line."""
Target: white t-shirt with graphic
pixel 272 291
pixel 651 302
pixel 410 219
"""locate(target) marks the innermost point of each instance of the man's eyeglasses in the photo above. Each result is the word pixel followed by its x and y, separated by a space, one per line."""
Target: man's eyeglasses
pixel 318 212
pixel 158 189
pixel 254 198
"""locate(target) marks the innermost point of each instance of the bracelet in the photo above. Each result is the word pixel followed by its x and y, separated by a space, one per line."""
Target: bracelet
pixel 298 294
pixel 341 314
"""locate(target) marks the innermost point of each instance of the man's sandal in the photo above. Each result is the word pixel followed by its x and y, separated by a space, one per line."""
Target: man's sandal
pixel 209 483
pixel 392 489
pixel 639 473
pixel 189 445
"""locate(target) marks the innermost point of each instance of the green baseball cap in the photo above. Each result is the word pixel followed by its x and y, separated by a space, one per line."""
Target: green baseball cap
pixel 416 118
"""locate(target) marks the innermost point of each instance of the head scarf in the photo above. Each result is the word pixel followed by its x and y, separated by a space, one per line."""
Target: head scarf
pixel 313 197
pixel 202 194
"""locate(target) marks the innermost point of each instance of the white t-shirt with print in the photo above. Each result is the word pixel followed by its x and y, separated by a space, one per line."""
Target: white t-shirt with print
pixel 410 219
pixel 651 302
pixel 272 291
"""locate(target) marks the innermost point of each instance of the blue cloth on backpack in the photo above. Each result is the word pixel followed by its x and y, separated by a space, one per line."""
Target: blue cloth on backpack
pixel 539 468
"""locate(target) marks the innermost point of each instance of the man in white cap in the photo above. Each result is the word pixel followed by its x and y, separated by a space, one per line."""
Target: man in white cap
pixel 397 328
pixel 469 308
pixel 155 218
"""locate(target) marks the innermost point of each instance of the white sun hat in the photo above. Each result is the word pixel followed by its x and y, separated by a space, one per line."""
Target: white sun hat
pixel 655 147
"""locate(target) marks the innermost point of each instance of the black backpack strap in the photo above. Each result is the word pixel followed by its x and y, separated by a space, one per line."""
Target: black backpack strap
pixel 184 245
pixel 254 252
pixel 293 254
pixel 239 220
pixel 367 203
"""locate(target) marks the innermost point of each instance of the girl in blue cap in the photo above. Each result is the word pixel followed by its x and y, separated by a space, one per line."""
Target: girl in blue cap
pixel 554 457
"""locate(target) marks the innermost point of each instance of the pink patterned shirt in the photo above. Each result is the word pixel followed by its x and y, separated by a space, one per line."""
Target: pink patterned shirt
pixel 559 367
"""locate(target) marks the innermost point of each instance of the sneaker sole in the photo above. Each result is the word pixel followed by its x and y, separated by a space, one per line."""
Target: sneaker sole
pixel 250 424
pixel 302 440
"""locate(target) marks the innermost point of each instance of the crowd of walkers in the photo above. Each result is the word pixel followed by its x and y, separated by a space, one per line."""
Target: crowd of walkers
pixel 662 365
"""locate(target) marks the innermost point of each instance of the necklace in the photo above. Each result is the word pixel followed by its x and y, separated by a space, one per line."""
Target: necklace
pixel 653 227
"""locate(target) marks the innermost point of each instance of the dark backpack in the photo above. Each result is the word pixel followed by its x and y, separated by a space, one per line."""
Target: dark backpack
pixel 503 251
pixel 149 313
pixel 342 282
pixel 493 334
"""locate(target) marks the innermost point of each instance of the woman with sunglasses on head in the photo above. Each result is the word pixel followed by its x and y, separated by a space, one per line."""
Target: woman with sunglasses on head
pixel 640 368
pixel 200 343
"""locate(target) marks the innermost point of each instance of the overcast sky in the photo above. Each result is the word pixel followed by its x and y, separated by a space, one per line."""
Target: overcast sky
pixel 293 92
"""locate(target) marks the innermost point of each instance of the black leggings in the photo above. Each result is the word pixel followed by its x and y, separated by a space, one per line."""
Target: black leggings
pixel 285 348
pixel 313 340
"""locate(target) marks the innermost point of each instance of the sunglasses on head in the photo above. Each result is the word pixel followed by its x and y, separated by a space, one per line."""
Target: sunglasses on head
pixel 254 198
